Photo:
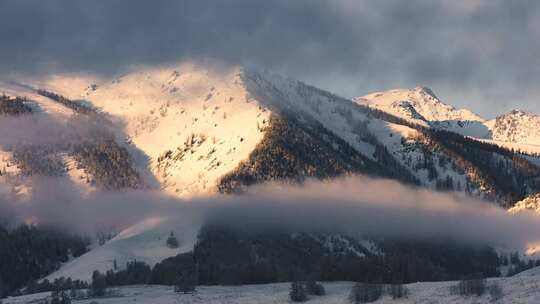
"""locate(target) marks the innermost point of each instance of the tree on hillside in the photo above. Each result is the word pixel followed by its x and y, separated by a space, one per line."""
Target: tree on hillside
pixel 98 287
pixel 187 281
pixel 172 241
pixel 365 293
pixel 315 288
pixel 297 292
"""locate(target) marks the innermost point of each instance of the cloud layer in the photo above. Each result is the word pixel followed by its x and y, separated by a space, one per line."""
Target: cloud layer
pixel 476 53
pixel 357 206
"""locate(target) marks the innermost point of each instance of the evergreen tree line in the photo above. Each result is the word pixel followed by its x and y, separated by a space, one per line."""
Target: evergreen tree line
pixel 517 265
pixel 39 160
pixel 28 253
pixel 76 106
pixel 223 257
pixel 228 257
pixel 107 164
pixel 13 106
pixel 509 175
pixel 477 287
pixel 58 285
pixel 293 150
pixel 511 178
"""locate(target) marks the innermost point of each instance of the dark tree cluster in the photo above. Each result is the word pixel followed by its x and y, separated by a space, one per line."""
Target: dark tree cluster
pixel 508 175
pixel 182 273
pixel 39 160
pixel 473 287
pixel 297 292
pixel 223 256
pixel 187 279
pixel 59 297
pixel 108 164
pixel 365 293
pixel 172 241
pixel 293 150
pixel 28 253
pixel 371 292
pixel 517 265
pixel 58 285
pixel 76 106
pixel 14 106
pixel 301 291
pixel 98 287
pixel 229 257
pixel 134 273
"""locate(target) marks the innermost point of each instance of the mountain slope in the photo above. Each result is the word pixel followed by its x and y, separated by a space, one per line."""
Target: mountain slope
pixel 203 130
pixel 421 106
pixel 192 130
pixel 531 203
pixel 516 127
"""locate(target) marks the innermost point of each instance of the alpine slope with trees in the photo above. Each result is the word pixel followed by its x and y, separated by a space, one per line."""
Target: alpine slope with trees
pixel 190 130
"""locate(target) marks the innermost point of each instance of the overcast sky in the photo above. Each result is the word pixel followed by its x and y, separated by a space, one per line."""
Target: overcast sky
pixel 480 54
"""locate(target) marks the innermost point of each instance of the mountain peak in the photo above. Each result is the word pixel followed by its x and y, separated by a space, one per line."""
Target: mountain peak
pixel 427 91
pixel 519 112
pixel 419 105
pixel 517 126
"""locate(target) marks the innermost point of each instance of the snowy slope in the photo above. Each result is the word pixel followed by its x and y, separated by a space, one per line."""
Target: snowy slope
pixel 529 203
pixel 11 181
pixel 144 242
pixel 43 109
pixel 194 124
pixel 420 106
pixel 519 289
pixel 516 127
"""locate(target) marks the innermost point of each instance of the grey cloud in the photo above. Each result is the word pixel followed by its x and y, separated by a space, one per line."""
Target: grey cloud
pixel 353 205
pixel 481 49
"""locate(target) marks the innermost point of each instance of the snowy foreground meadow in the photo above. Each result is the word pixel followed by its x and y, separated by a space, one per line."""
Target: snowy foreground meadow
pixel 523 288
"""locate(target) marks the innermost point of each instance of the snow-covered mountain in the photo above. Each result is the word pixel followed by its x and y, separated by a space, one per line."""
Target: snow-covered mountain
pixel 190 130
pixel 516 127
pixel 196 125
pixel 420 106
pixel 531 202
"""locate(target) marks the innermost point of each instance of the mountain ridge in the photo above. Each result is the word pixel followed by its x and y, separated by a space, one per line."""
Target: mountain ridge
pixel 420 105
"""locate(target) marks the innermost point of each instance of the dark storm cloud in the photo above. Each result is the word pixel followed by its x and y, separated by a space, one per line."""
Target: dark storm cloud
pixel 481 50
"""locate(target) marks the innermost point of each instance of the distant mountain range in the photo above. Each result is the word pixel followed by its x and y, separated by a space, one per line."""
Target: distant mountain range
pixel 420 105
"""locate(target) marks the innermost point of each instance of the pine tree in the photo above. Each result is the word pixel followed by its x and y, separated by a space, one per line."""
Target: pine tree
pixel 315 288
pixel 172 242
pixel 99 285
pixel 297 292
pixel 186 282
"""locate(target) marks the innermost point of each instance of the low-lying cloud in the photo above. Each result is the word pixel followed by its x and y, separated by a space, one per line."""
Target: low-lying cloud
pixel 357 206
pixel 47 130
